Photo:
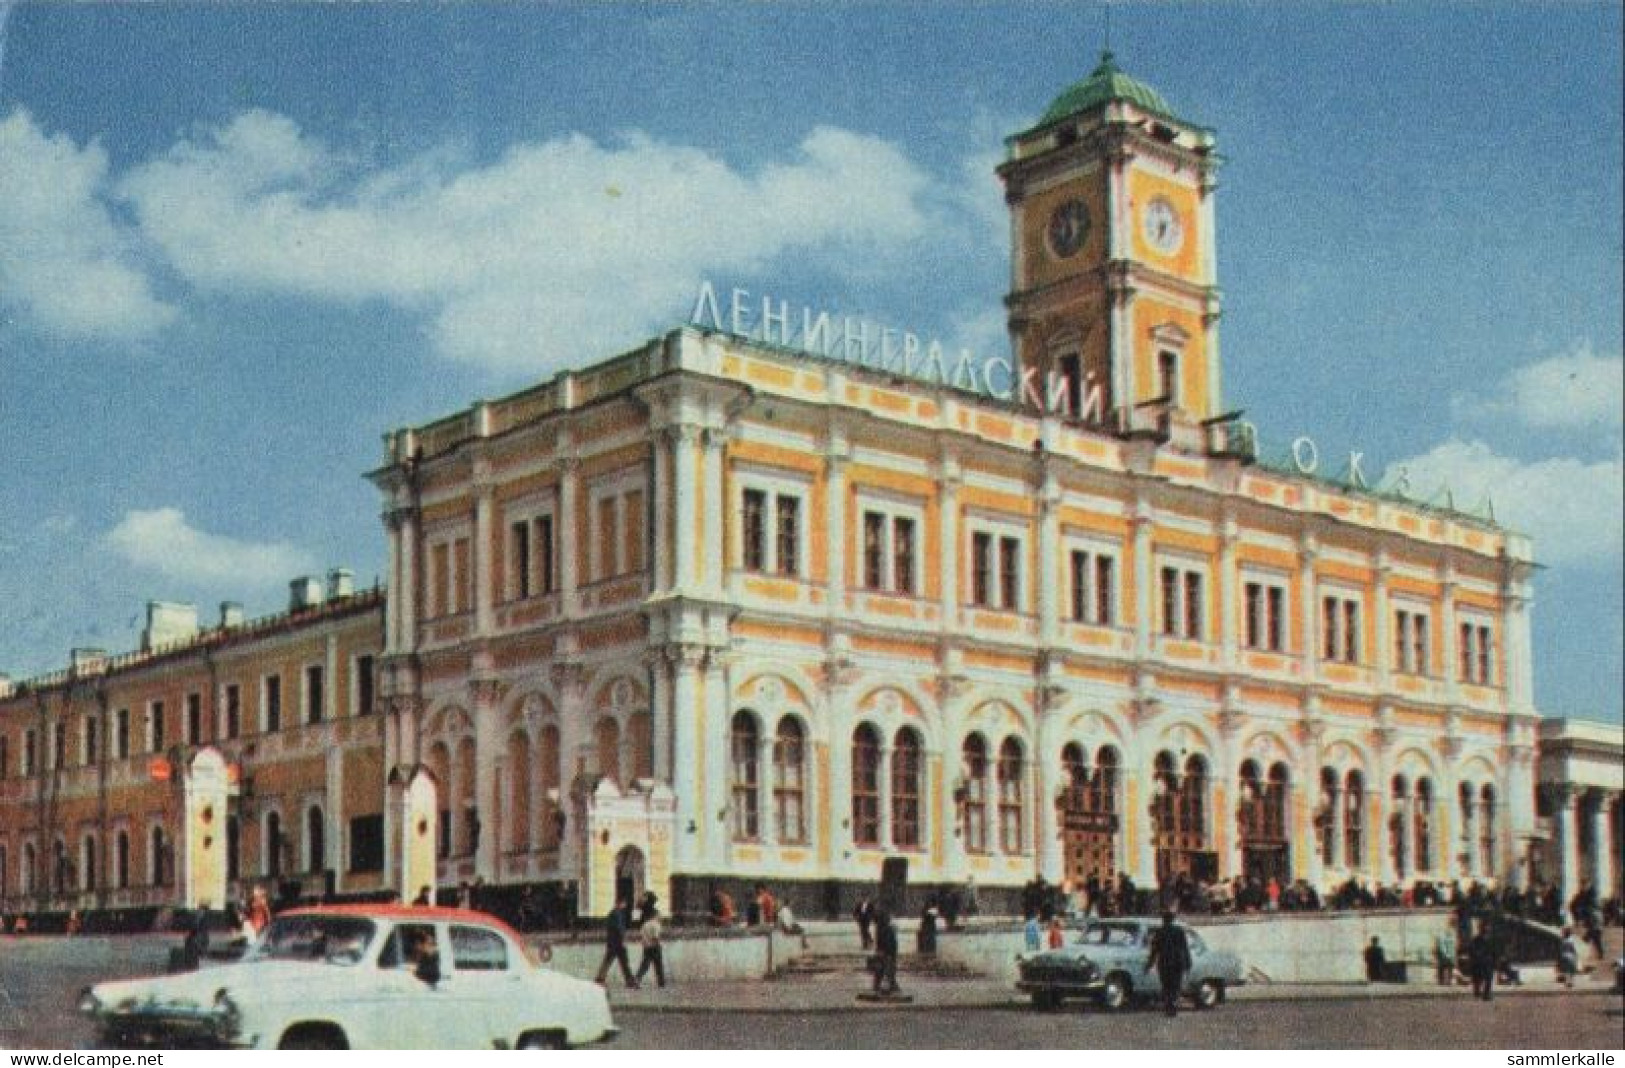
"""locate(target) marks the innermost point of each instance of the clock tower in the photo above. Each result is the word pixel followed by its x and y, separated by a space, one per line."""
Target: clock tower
pixel 1113 296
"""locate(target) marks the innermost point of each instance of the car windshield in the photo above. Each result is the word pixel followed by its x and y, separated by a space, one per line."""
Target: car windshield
pixel 1113 935
pixel 333 939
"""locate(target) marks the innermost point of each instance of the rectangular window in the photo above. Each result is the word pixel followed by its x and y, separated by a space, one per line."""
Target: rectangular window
pixel 194 718
pixel 1010 574
pixel 519 565
pixel 606 537
pixel 30 754
pixel 1484 678
pixel 315 693
pixel 1266 604
pixel 92 748
pixel 1410 642
pixel 982 569
pixel 902 549
pixel 788 510
pixel 1182 603
pixel 1402 640
pixel 364 686
pixel 367 843
pixel 59 744
pixel 874 550
pixel 271 703
pixel 439 580
pixel 1419 644
pixel 461 576
pixel 632 532
pixel 121 733
pixel 1093 578
pixel 234 710
pixel 155 727
pixel 1340 628
pixel 545 581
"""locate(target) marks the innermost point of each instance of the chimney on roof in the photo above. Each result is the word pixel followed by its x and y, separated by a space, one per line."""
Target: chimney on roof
pixel 304 592
pixel 340 583
pixel 168 622
pixel 231 614
pixel 7 687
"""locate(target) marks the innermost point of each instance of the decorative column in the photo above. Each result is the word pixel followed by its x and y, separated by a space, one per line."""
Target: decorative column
pixel 1602 847
pixel 711 523
pixel 393 522
pixel 1515 793
pixel 835 461
pixel 1447 615
pixel 714 728
pixel 948 480
pixel 1047 573
pixel 1566 813
pixel 484 579
pixel 1308 606
pixel 1378 838
pixel 1226 826
pixel 1382 622
pixel 885 833
pixel 1515 642
pixel 662 509
pixel 1229 535
pixel 1307 862
pixel 1144 519
pixel 484 694
pixel 684 717
pixel 767 830
pixel 567 536
pixel 1047 757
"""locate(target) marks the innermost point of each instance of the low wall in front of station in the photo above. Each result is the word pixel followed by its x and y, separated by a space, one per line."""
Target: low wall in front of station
pixel 694 955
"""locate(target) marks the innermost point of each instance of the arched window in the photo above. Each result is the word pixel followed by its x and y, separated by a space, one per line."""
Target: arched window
pixel 1486 830
pixel 789 781
pixel 121 861
pixel 1075 769
pixel 1325 816
pixel 1354 820
pixel 1011 766
pixel 547 756
pixel 468 843
pixel 1252 803
pixel 1275 797
pixel 905 789
pixel 1422 820
pixel 271 864
pixel 440 769
pixel 1103 784
pixel 519 775
pixel 1398 831
pixel 1467 813
pixel 607 735
pixel 744 790
pixel 87 863
pixel 315 839
pixel 1193 802
pixel 973 800
pixel 865 786
pixel 157 868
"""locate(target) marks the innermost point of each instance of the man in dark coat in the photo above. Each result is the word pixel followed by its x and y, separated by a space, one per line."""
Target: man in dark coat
pixel 885 954
pixel 615 924
pixel 1171 957
pixel 1375 961
pixel 1481 964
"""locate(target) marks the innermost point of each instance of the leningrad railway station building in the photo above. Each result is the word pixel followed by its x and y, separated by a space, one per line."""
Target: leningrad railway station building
pixel 778 596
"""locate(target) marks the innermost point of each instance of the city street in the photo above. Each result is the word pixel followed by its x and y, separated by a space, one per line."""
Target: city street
pixel 39 979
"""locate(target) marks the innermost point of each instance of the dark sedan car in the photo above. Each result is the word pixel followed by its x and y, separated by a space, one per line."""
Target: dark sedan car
pixel 1107 963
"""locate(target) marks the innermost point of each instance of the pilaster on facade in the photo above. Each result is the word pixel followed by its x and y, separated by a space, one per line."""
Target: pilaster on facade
pixel 1229 576
pixel 1382 621
pixel 1308 602
pixel 568 466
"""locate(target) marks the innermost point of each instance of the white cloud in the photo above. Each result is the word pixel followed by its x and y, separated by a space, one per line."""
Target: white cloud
pixel 67 268
pixel 1570 507
pixel 552 250
pixel 161 540
pixel 1577 391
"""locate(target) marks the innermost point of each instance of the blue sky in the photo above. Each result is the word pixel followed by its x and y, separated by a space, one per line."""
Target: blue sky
pixel 238 243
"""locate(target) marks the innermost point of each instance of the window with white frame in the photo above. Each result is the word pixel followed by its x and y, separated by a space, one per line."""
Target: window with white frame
pixel 1476 652
pixel 155 726
pixel 449 585
pixel 1184 600
pixel 1092 574
pixel 1265 607
pixel 619 525
pixel 1411 641
pixel 1340 627
pixel 995 567
pixel 271 703
pixel 772 524
pixel 531 559
pixel 315 693
pixel 891 547
pixel 89 743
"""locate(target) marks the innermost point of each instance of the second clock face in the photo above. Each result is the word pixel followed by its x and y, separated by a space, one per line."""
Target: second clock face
pixel 1163 230
pixel 1068 228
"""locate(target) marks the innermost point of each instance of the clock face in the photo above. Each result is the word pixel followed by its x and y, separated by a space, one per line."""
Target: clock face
pixel 1163 230
pixel 1068 228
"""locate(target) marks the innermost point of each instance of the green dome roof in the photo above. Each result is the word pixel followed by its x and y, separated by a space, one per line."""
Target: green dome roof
pixel 1106 83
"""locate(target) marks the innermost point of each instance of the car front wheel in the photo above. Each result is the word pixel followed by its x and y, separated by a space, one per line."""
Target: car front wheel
pixel 1117 991
pixel 1209 994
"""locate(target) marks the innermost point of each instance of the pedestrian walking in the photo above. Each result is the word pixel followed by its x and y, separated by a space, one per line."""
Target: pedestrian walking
pixel 1481 965
pixel 885 964
pixel 925 939
pixel 1171 957
pixel 649 937
pixel 615 924
pixel 1033 934
pixel 259 910
pixel 1057 934
pixel 1568 958
pixel 864 914
pixel 1444 956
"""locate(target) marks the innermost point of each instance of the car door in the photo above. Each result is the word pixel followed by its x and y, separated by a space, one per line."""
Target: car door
pixel 405 1011
pixel 485 985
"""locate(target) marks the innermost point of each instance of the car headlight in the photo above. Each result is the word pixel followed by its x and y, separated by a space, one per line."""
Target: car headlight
pixel 89 1003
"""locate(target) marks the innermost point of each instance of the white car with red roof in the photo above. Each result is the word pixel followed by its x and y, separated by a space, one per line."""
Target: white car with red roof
pixel 361 977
